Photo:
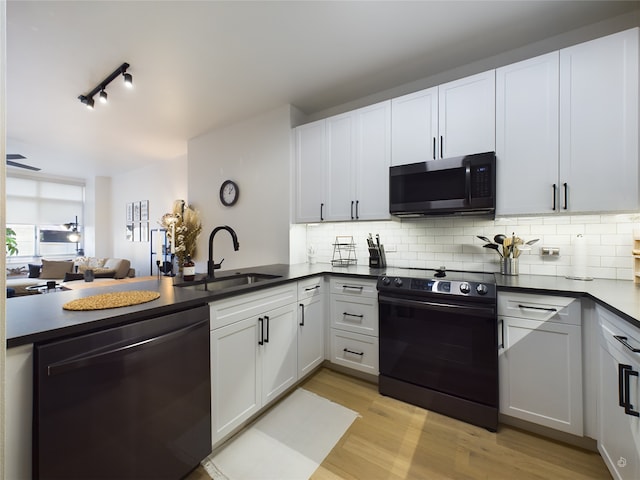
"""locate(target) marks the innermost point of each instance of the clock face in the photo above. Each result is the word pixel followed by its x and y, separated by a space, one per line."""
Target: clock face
pixel 229 193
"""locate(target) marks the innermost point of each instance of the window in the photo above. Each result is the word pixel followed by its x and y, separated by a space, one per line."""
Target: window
pixel 37 209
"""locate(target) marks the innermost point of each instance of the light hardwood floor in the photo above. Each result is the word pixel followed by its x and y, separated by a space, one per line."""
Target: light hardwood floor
pixel 393 440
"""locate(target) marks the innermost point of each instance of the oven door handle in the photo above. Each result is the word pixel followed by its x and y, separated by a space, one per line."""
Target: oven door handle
pixel 488 312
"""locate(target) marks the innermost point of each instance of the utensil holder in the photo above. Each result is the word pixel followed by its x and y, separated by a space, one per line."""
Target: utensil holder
pixel 509 266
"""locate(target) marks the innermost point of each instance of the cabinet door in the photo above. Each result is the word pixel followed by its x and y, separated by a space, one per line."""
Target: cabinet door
pixel 310 334
pixel 310 160
pixel 235 378
pixel 618 437
pixel 527 136
pixel 546 388
pixel 599 124
pixel 373 158
pixel 414 127
pixel 279 352
pixel 467 115
pixel 339 173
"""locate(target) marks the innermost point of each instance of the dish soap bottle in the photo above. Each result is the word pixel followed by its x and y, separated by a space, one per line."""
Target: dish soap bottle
pixel 189 270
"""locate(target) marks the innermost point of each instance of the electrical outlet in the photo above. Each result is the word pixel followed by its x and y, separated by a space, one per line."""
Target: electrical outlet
pixel 390 248
pixel 550 251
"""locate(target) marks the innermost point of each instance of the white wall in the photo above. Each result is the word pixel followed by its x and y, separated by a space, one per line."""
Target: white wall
pixel 452 242
pixel 161 184
pixel 255 154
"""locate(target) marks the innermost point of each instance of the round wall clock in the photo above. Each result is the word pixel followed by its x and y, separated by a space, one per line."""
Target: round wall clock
pixel 229 193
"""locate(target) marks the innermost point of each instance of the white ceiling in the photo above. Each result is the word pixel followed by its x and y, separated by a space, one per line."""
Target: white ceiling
pixel 201 65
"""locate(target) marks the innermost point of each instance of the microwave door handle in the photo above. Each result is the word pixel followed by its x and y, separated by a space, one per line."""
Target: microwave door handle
pixel 467 183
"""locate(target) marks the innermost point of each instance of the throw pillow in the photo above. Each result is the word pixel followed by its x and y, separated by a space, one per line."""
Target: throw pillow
pixel 34 271
pixel 69 277
pixel 120 265
pixel 52 269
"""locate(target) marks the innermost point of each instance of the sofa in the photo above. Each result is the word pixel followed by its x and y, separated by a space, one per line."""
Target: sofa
pixel 65 271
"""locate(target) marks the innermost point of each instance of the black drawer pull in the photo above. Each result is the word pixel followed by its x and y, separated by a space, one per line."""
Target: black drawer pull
pixel 628 407
pixel 346 314
pixel 625 342
pixel 546 309
pixel 354 287
pixel 302 317
pixel 353 353
pixel 315 287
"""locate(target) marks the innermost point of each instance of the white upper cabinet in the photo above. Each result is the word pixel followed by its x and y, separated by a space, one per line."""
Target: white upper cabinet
pixel 343 166
pixel 310 167
pixel 453 119
pixel 527 136
pixel 599 124
pixel 414 127
pixel 467 115
pixel 372 162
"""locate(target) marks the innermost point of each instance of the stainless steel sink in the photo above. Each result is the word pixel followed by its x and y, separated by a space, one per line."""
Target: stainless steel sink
pixel 227 282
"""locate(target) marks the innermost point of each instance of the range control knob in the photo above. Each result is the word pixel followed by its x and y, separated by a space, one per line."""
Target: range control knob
pixel 386 281
pixel 464 287
pixel 482 289
pixel 398 282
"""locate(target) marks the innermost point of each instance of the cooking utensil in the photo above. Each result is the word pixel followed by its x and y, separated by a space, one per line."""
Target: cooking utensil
pixel 499 238
pixel 531 242
pixel 493 246
pixel 484 239
pixel 378 240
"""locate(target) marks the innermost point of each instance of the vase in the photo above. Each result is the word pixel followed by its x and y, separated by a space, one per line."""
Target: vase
pixel 509 266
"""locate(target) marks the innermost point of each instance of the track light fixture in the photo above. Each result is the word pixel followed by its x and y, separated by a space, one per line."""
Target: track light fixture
pixel 101 87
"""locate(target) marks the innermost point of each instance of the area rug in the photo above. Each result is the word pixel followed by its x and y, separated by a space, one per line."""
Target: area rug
pixel 288 443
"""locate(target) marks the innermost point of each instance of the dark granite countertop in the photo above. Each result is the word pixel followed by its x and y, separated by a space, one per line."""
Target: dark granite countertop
pixel 40 318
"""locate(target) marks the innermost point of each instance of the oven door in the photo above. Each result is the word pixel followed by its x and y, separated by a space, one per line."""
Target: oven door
pixel 450 347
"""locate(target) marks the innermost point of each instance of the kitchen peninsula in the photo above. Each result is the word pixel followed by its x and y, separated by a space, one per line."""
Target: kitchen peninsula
pixel 40 319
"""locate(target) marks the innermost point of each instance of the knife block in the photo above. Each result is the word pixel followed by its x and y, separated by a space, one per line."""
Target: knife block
pixel 377 258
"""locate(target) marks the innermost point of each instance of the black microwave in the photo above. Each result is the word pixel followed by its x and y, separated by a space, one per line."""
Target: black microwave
pixel 459 185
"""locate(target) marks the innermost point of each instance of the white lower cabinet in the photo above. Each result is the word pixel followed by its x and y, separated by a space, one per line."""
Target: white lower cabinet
pixel 354 324
pixel 253 356
pixel 619 396
pixel 311 324
pixel 540 360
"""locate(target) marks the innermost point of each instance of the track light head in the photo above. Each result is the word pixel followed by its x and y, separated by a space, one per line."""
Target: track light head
pixel 103 96
pixel 128 80
pixel 90 103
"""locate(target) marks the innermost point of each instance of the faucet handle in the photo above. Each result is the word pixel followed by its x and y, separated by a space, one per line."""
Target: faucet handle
pixel 218 266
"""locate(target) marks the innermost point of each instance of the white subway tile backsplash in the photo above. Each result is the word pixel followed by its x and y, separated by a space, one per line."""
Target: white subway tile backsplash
pixel 453 242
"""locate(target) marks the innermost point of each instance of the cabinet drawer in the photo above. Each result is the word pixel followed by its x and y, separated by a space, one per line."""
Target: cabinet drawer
pixel 310 287
pixel 233 309
pixel 352 350
pixel 355 287
pixel 612 325
pixel 358 315
pixel 547 308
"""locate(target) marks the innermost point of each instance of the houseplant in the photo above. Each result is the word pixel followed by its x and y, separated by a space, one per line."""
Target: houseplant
pixel 11 242
pixel 183 223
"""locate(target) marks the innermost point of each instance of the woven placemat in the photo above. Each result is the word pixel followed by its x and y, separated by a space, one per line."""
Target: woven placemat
pixel 111 300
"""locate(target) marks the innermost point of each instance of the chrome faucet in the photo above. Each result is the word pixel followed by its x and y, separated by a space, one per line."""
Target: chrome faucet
pixel 211 265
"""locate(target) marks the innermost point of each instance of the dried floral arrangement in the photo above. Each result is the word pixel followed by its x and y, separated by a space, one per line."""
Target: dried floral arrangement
pixel 184 224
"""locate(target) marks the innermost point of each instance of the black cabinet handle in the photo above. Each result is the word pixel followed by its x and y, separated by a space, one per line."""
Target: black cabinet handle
pixel 501 344
pixel 321 209
pixel 351 209
pixel 352 352
pixel 546 309
pixel 266 338
pixel 628 408
pixel 357 214
pixel 302 317
pixel 434 148
pixel 625 342
pixel 354 287
pixel 346 314
pixel 312 288
pixel 564 185
pixel 555 194
pixel 261 341
pixel 441 147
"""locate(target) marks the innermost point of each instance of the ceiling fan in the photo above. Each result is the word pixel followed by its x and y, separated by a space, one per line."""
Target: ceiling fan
pixel 11 161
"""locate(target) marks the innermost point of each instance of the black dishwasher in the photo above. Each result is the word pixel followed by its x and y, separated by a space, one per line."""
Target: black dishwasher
pixel 127 402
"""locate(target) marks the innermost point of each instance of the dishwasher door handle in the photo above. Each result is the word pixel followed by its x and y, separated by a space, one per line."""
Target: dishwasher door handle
pixel 84 361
